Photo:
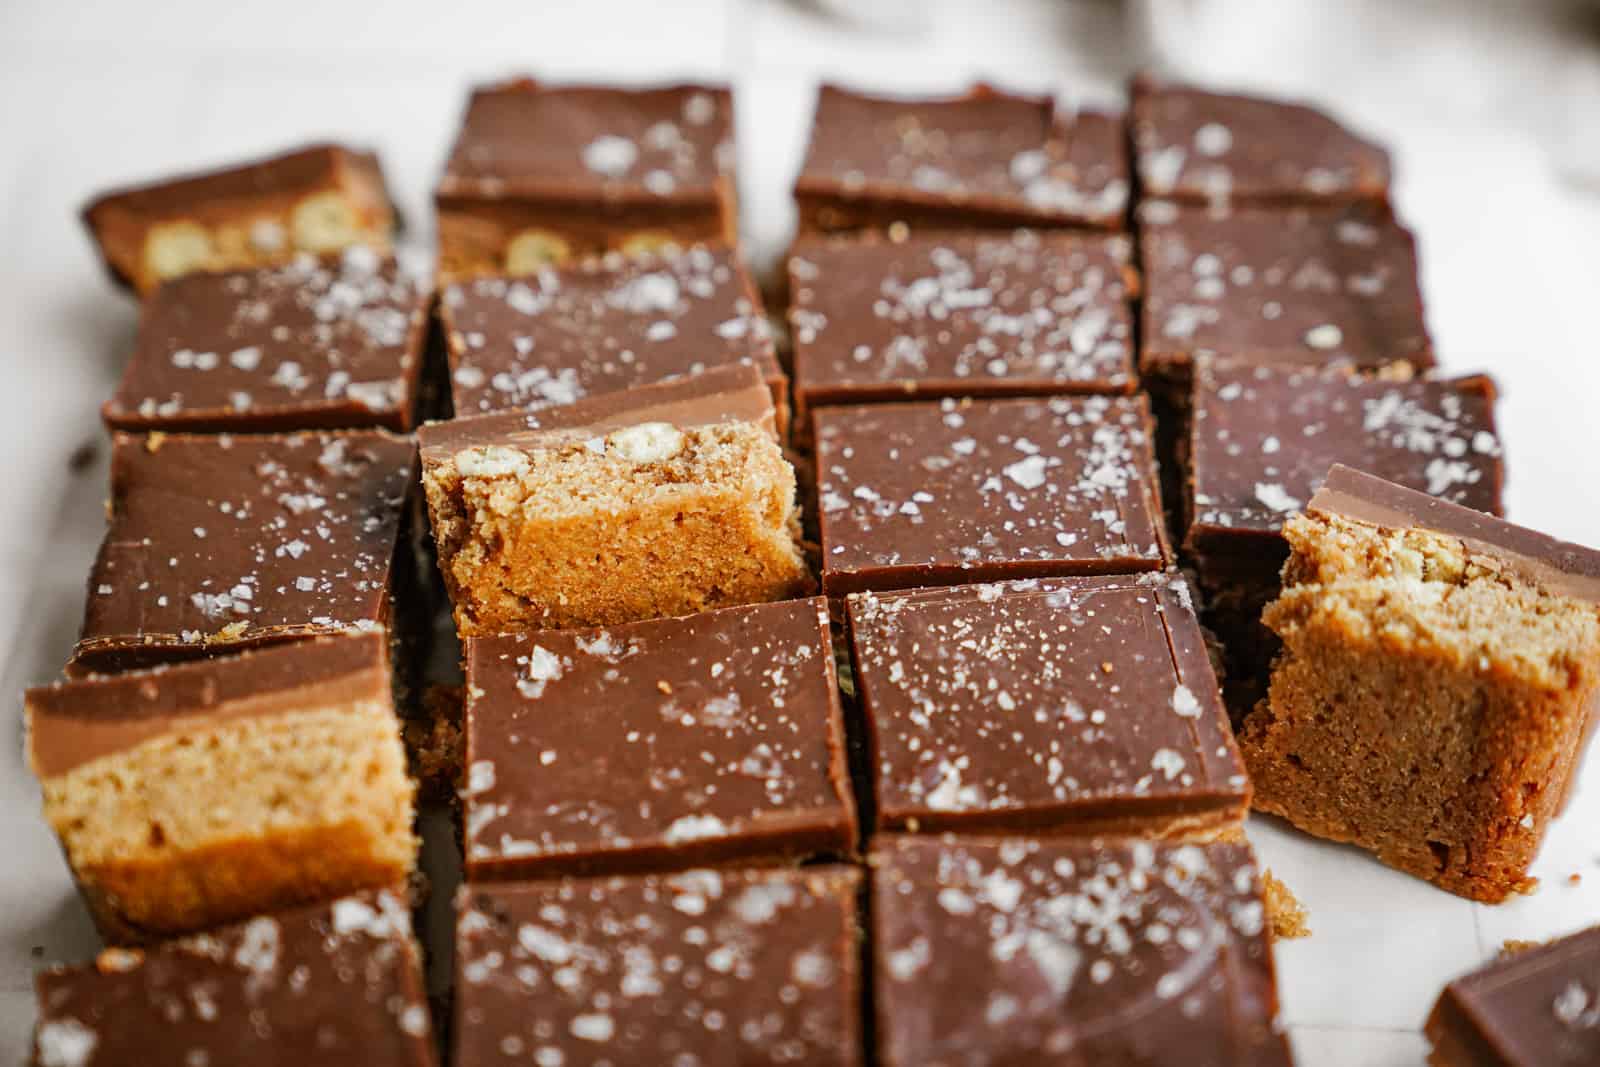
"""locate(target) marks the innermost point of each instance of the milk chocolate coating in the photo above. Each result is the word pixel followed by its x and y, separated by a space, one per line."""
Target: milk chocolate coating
pixel 218 541
pixel 309 344
pixel 76 722
pixel 950 492
pixel 1191 144
pixel 560 335
pixel 1074 705
pixel 961 314
pixel 656 745
pixel 703 967
pixel 1048 952
pixel 326 986
pixel 1538 1008
pixel 985 158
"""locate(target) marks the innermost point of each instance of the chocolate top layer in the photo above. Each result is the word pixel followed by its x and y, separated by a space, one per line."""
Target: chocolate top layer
pixel 931 494
pixel 1263 439
pixel 957 313
pixel 731 393
pixel 290 171
pixel 1052 952
pixel 246 538
pixel 560 335
pixel 703 967
pixel 657 742
pixel 336 984
pixel 1042 702
pixel 985 150
pixel 1195 145
pixel 1557 566
pixel 76 722
pixel 303 345
pixel 1309 285
pixel 1539 1007
pixel 522 139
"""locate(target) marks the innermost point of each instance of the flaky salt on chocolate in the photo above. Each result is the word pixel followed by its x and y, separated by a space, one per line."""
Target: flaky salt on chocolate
pixel 1064 705
pixel 1064 953
pixel 309 344
pixel 1446 660
pixel 662 500
pixel 324 986
pixel 703 967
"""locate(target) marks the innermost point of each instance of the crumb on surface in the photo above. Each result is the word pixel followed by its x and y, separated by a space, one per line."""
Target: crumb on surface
pixel 1286 916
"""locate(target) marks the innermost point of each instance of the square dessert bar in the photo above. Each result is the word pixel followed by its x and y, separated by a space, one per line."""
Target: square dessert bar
pixel 961 314
pixel 702 967
pixel 217 543
pixel 542 174
pixel 662 500
pixel 1071 952
pixel 559 335
pixel 1445 660
pixel 1539 1007
pixel 321 198
pixel 1191 144
pixel 324 986
pixel 1058 705
pixel 658 745
pixel 199 794
pixel 985 158
pixel 307 344
pixel 1261 441
pixel 976 490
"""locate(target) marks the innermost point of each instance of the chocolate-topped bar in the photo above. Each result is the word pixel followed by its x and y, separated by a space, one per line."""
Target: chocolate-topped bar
pixel 308 344
pixel 1063 705
pixel 1536 1008
pixel 216 543
pixel 321 198
pixel 559 335
pixel 961 314
pixel 976 490
pixel 658 745
pixel 1443 658
pixel 1050 952
pixel 1196 145
pixel 985 158
pixel 543 174
pixel 702 967
pixel 334 984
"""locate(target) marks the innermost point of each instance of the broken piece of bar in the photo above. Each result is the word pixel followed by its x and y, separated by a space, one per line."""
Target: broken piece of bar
pixel 558 335
pixel 1061 953
pixel 305 345
pixel 543 174
pixel 1060 705
pixel 985 158
pixel 703 967
pixel 711 739
pixel 1196 145
pixel 321 198
pixel 662 500
pixel 978 490
pixel 195 795
pixel 222 542
pixel 1447 661
pixel 323 986
pixel 1538 1008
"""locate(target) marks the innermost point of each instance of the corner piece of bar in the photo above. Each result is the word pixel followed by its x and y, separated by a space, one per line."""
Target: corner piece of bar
pixel 1445 659
pixel 663 500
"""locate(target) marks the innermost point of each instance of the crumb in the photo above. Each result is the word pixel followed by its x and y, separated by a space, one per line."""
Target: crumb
pixel 664 686
pixel 1286 915
pixel 37 952
pixel 1574 878
pixel 83 457
pixel 153 441
pixel 434 742
pixel 1513 947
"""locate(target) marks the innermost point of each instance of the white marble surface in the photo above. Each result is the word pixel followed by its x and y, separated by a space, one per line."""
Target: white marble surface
pixel 1490 107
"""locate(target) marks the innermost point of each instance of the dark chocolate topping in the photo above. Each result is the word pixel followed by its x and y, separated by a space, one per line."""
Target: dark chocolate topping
pixel 656 745
pixel 703 967
pixel 1539 1008
pixel 560 335
pixel 290 171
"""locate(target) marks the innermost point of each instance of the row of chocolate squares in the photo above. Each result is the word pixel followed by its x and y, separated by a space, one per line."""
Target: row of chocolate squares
pixel 1026 951
pixel 542 174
